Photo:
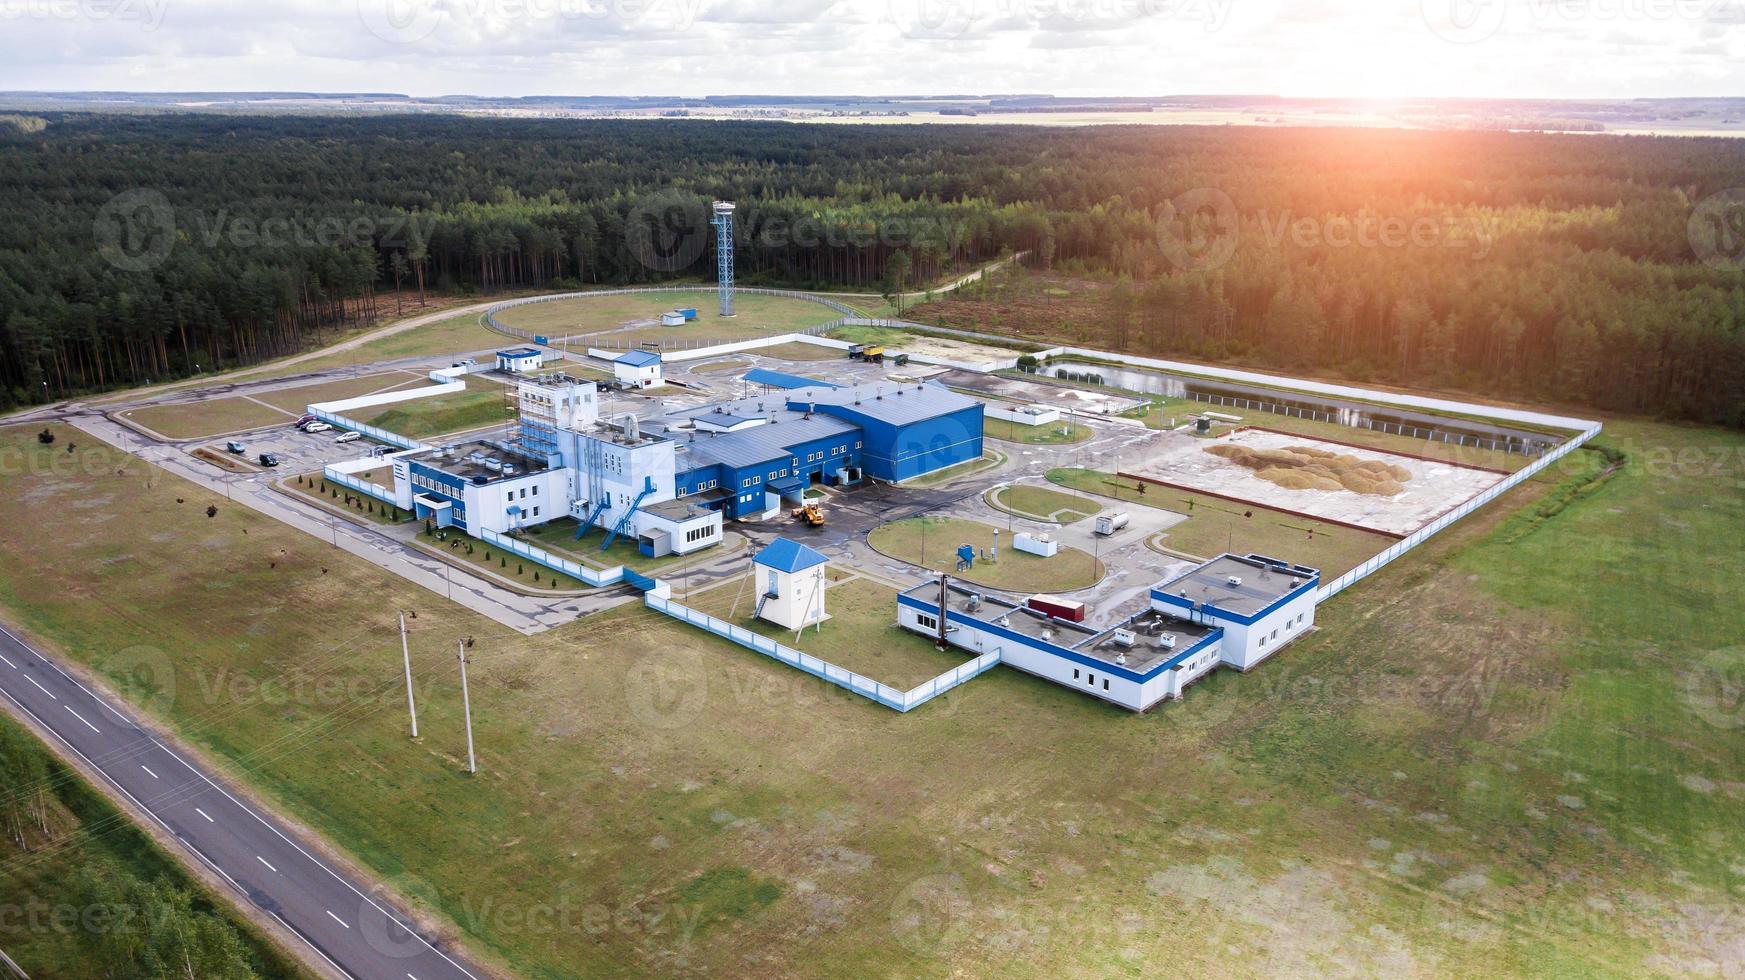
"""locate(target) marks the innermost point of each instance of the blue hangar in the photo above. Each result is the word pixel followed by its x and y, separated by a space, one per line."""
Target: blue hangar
pixel 750 455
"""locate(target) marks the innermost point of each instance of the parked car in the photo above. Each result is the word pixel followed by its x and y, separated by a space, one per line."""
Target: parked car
pixel 305 420
pixel 349 437
pixel 317 427
pixel 235 447
pixel 465 362
pixel 269 459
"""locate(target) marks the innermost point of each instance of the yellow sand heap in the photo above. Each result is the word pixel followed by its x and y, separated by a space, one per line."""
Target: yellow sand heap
pixel 1310 468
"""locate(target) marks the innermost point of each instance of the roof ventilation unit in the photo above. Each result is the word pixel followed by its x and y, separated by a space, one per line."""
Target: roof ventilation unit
pixel 1234 580
pixel 1125 639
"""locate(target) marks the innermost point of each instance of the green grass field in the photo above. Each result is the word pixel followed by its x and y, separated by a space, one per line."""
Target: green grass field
pixel 1055 434
pixel 1043 504
pixel 932 542
pixel 1520 749
pixel 349 502
pixel 861 634
pixel 635 318
pixel 214 417
pixel 299 398
pixel 444 414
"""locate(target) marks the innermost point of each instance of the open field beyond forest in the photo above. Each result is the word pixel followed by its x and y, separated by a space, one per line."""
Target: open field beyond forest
pixel 1487 759
pixel 635 317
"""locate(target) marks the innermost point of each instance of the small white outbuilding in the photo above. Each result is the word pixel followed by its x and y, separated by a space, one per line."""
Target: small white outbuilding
pixel 790 583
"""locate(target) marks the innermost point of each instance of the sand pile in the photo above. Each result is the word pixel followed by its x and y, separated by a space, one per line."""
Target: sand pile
pixel 1309 468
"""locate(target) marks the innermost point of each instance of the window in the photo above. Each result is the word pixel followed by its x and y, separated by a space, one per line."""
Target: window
pixel 1093 680
pixel 536 491
pixel 926 622
pixel 536 512
pixel 1075 673
pixel 1105 683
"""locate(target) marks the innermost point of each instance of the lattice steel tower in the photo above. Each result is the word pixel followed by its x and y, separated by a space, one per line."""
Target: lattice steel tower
pixel 723 223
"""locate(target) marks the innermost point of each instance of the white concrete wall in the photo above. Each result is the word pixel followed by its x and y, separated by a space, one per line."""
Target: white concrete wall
pixel 681 529
pixel 1022 414
pixel 487 506
pixel 388 398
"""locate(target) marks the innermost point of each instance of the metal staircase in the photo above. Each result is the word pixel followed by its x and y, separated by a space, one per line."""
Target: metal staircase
pixel 623 524
pixel 593 516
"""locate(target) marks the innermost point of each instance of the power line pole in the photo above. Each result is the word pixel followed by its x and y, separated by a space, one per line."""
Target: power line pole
pixel 406 655
pixel 467 703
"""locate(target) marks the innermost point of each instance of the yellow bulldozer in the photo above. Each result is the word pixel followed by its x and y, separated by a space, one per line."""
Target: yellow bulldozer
pixel 811 515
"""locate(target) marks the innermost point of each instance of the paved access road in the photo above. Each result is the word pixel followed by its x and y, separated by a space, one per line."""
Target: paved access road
pixel 359 934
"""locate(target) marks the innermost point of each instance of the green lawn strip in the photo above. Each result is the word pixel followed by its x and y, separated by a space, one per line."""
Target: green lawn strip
pixel 1053 434
pixel 559 537
pixel 217 416
pixel 861 634
pixel 988 460
pixel 332 496
pixel 444 414
pixel 466 549
pixel 1041 504
pixel 1215 526
pixel 932 542
pixel 85 892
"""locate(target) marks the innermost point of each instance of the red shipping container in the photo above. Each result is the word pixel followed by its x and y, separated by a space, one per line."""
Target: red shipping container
pixel 1068 609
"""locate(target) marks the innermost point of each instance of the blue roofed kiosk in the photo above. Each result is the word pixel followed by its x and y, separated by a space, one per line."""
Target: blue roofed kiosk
pixel 790 582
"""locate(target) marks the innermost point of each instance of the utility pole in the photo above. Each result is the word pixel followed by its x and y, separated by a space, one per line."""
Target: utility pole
pixel 406 655
pixel 467 704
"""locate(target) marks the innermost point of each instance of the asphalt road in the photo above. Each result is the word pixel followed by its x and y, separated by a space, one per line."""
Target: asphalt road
pixel 355 932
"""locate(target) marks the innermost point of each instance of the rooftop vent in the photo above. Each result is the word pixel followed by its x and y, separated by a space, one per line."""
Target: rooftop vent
pixel 1167 641
pixel 1234 580
pixel 1125 639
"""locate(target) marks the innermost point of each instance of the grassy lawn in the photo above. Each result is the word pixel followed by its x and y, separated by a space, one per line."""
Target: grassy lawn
pixel 456 335
pixel 83 856
pixel 1215 526
pixel 1487 760
pixel 932 542
pixel 216 417
pixel 1054 434
pixel 988 460
pixel 861 634
pixel 467 549
pixel 802 352
pixel 443 414
pixel 298 399
pixel 758 316
pixel 1042 504
pixel 334 496
pixel 559 537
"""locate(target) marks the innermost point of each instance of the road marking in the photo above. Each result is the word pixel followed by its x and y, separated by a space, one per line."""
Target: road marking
pixel 40 687
pixel 203 814
pixel 8 662
pixel 82 718
pixel 263 860
pixel 337 919
pixel 148 772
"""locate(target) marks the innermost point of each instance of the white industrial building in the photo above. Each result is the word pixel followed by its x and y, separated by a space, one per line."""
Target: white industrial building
pixel 1231 611
pixel 791 580
pixel 637 369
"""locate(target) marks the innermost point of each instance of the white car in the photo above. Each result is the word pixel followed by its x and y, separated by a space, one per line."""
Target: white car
pixel 349 437
pixel 317 427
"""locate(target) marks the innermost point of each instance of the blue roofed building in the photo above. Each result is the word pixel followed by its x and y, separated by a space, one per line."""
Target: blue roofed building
pixel 791 584
pixel 637 369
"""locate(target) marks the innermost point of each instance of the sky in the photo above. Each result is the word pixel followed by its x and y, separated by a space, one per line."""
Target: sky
pixel 1336 48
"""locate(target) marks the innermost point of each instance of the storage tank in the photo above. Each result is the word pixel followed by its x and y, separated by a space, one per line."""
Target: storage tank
pixel 1108 524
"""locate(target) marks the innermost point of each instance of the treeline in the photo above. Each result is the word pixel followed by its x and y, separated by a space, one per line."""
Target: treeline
pixel 149 247
pixel 89 895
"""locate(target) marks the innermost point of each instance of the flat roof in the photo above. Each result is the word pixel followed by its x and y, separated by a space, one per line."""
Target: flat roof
pixel 455 462
pixel 520 352
pixel 1159 638
pixel 1263 582
pixel 887 401
pixel 1005 614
